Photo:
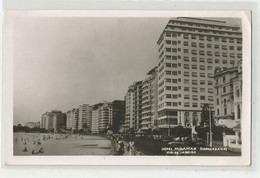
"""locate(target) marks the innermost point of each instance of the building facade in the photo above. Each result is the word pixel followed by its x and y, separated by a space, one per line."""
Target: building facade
pixel 85 114
pixel 189 51
pixel 224 103
pixel 229 103
pixel 133 101
pixel 149 100
pixel 118 115
pixel 54 120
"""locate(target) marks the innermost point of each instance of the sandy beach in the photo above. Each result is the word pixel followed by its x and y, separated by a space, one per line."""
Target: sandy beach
pixel 60 144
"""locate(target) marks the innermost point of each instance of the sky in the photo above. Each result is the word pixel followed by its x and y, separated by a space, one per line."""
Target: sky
pixel 61 63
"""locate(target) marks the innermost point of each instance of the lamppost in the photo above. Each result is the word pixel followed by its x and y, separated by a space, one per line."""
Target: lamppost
pixel 169 129
pixel 210 129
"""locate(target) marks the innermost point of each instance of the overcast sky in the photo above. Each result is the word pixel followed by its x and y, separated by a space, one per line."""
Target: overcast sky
pixel 60 63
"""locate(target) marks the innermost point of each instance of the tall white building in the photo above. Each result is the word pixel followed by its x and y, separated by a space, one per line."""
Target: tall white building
pixel 189 51
pixel 149 100
pixel 133 102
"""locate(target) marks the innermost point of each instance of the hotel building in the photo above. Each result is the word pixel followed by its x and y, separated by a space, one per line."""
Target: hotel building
pixel 149 100
pixel 189 51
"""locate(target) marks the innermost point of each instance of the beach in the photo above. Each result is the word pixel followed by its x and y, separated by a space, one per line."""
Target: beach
pixel 60 144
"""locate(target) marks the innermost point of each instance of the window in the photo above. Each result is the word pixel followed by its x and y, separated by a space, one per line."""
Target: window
pixel 224 61
pixel 217 101
pixel 186 104
pixel 186 43
pixel 202 60
pixel 201 45
pixel 194 82
pixel 201 38
pixel 174 57
pixel 195 97
pixel 186 51
pixel 168 96
pixel 194 105
pixel 168 103
pixel 202 74
pixel 174 73
pixel 202 67
pixel 194 59
pixel 186 89
pixel 168 88
pixel 168 34
pixel 216 46
pixel 209 45
pixel 174 42
pixel 193 44
pixel 210 83
pixel 216 61
pixel 231 47
pixel 194 89
pixel 202 90
pixel 168 64
pixel 202 97
pixel 202 82
pixel 186 97
pixel 194 74
pixel 174 88
pixel 239 48
pixel 186 81
pixel 193 36
pixel 186 66
pixel 194 67
pixel 174 81
pixel 168 49
pixel 174 50
pixel 187 74
pixel 168 42
pixel 174 65
pixel 224 89
pixel 224 79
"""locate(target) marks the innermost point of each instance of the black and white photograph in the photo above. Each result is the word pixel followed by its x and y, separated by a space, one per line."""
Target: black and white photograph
pixel 174 86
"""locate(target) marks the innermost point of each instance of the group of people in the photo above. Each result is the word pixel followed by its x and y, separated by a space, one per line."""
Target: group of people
pixel 124 147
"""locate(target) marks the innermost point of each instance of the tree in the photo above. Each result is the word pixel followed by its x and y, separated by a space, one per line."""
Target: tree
pixel 205 114
pixel 180 132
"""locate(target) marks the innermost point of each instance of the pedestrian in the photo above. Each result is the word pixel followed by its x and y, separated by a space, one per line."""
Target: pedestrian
pixel 132 149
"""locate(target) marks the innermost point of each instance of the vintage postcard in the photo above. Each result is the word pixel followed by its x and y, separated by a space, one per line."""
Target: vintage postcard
pixel 127 87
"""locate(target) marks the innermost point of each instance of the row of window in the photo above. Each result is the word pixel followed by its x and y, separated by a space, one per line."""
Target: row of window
pixel 204 37
pixel 197 24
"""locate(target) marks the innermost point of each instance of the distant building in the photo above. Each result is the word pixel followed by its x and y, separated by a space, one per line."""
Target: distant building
pixel 85 114
pixel 32 124
pixel 105 116
pixel 96 114
pixel 133 101
pixel 69 119
pixel 54 120
pixel 118 115
pixel 149 100
pixel 75 119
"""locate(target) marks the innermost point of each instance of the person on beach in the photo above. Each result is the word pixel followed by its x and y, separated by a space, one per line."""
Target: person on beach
pixel 25 149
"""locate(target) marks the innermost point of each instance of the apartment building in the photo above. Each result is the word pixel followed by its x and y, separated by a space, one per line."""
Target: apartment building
pixel 133 101
pixel 54 120
pixel 85 114
pixel 149 100
pixel 189 51
pixel 118 115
